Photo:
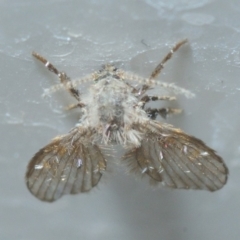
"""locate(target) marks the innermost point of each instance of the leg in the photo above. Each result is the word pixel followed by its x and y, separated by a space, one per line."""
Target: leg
pixel 143 89
pixel 163 112
pixel 160 66
pixel 61 75
pixel 139 91
pixel 147 98
pixel 75 105
pixel 149 83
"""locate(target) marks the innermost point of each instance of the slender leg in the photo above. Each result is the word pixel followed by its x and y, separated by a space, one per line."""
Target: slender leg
pixel 149 83
pixel 139 91
pixel 163 112
pixel 142 89
pixel 61 75
pixel 147 98
pixel 75 105
pixel 160 66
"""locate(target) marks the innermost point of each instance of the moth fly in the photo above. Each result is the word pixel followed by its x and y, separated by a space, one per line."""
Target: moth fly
pixel 113 112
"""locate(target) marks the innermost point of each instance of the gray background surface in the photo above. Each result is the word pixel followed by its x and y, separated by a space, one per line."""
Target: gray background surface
pixel 80 36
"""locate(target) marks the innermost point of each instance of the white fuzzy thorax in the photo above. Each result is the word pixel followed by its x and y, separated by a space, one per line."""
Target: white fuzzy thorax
pixel 112 110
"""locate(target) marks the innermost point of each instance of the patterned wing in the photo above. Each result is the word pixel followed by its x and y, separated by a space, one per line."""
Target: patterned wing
pixel 68 165
pixel 177 160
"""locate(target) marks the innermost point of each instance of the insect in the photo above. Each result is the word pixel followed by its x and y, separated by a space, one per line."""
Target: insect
pixel 114 112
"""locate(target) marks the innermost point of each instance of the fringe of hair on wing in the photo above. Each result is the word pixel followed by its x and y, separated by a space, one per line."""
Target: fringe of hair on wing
pixel 113 155
pixel 134 169
pixel 106 175
pixel 107 150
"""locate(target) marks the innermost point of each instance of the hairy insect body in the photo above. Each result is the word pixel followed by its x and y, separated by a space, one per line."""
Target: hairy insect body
pixel 113 112
pixel 112 109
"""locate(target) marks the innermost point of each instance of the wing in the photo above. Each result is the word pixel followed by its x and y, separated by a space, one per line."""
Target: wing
pixel 68 165
pixel 177 160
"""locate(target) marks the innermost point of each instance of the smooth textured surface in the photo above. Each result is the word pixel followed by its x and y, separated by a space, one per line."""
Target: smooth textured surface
pixel 80 36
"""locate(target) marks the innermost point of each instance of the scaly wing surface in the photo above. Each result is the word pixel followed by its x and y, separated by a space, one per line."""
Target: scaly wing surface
pixel 67 165
pixel 176 159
